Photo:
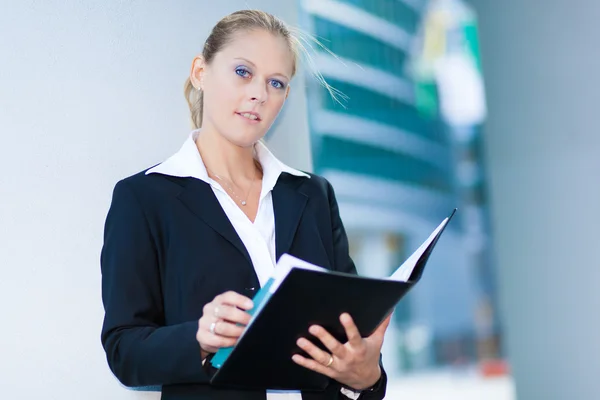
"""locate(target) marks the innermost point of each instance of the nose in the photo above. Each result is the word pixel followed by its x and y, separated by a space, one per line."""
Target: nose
pixel 258 92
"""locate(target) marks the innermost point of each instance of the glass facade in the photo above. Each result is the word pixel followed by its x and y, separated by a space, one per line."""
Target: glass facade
pixel 397 171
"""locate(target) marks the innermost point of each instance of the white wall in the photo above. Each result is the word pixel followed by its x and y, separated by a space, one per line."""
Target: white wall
pixel 90 92
pixel 542 66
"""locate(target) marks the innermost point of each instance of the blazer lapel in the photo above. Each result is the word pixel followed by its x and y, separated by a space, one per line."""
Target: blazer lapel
pixel 201 200
pixel 288 205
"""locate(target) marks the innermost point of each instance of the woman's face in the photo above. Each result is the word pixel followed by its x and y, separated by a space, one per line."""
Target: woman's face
pixel 245 85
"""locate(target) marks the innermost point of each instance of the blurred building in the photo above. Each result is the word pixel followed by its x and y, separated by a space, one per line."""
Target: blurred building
pixel 398 168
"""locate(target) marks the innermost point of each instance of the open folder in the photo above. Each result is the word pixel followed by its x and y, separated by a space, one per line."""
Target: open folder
pixel 299 295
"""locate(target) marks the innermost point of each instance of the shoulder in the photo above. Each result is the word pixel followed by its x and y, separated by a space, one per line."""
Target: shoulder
pixel 148 187
pixel 316 181
pixel 314 186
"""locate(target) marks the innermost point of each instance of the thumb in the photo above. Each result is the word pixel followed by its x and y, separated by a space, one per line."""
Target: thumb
pixel 380 331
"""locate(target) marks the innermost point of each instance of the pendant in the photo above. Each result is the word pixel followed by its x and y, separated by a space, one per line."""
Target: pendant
pixel 243 203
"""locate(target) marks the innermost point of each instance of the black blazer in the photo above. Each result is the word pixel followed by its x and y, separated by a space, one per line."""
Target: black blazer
pixel 169 249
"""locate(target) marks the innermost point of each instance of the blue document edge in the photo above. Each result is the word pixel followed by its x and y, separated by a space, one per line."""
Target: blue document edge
pixel 259 300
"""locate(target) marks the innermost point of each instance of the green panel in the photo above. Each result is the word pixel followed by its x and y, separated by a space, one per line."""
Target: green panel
pixel 472 39
pixel 352 157
pixel 355 46
pixel 394 11
pixel 377 107
pixel 427 99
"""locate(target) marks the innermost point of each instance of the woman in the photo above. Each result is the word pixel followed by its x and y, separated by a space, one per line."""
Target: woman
pixel 185 240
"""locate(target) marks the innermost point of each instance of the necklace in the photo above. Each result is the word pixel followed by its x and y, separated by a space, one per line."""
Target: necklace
pixel 243 202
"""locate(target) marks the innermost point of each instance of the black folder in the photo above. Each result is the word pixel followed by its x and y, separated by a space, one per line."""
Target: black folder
pixel 262 358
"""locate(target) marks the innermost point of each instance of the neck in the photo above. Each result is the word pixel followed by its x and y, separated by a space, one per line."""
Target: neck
pixel 225 159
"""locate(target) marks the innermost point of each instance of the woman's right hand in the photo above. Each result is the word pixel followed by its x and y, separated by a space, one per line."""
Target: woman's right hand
pixel 218 327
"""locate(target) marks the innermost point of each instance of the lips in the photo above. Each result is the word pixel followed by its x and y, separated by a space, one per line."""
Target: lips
pixel 252 116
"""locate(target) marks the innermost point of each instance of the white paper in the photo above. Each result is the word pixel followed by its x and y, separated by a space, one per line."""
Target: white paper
pixel 285 264
pixel 403 272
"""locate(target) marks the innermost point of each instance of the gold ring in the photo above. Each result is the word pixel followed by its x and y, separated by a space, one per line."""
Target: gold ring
pixel 330 361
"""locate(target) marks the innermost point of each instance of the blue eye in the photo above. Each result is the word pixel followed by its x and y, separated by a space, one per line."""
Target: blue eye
pixel 243 72
pixel 277 84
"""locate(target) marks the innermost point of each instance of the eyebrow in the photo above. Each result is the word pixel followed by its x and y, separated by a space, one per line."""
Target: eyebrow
pixel 254 65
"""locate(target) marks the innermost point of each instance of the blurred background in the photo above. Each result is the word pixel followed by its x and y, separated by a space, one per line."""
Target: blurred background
pixel 481 105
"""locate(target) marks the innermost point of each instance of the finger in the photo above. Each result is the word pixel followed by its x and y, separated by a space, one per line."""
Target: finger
pixel 354 337
pixel 234 299
pixel 222 328
pixel 332 344
pixel 232 314
pixel 314 366
pixel 207 339
pixel 313 351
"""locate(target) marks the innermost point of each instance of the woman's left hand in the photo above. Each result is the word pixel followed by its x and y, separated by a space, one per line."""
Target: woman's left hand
pixel 354 364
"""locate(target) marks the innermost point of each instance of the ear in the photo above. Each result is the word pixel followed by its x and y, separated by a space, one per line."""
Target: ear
pixel 197 72
pixel 287 92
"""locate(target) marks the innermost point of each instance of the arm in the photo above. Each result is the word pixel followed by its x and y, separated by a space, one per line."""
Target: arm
pixel 341 251
pixel 140 350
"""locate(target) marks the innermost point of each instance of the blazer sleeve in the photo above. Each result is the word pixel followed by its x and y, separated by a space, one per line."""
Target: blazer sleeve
pixel 341 252
pixel 343 262
pixel 140 349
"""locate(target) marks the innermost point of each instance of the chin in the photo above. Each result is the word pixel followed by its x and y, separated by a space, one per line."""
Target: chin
pixel 245 140
pixel 246 136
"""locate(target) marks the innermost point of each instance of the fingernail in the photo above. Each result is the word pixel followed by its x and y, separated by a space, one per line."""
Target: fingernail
pixel 313 330
pixel 249 304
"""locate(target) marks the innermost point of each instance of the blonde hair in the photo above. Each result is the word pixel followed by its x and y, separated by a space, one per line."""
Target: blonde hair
pixel 242 21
